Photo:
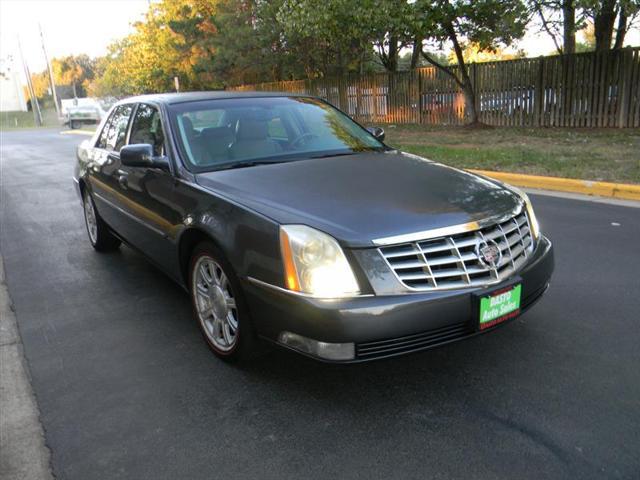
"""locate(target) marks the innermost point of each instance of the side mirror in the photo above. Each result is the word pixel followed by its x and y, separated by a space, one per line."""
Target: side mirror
pixel 377 132
pixel 141 155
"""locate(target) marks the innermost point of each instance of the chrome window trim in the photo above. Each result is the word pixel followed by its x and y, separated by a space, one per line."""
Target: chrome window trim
pixel 447 231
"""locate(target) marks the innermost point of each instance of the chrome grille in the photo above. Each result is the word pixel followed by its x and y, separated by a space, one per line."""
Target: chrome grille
pixel 452 261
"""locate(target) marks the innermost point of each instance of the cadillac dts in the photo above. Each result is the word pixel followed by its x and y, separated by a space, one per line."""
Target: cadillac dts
pixel 288 222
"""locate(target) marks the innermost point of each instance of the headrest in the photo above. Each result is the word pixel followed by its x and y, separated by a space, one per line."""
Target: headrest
pixel 155 123
pixel 252 129
pixel 216 132
pixel 187 124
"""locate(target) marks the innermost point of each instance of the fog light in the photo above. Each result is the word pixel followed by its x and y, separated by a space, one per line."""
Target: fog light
pixel 328 351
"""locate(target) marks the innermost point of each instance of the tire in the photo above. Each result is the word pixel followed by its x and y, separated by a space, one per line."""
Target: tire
pixel 99 235
pixel 218 305
pixel 73 125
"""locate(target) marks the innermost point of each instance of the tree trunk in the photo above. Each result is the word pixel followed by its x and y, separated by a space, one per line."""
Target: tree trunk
pixel 569 26
pixel 75 95
pixel 465 80
pixel 470 103
pixel 415 54
pixel 603 24
pixel 392 58
pixel 621 31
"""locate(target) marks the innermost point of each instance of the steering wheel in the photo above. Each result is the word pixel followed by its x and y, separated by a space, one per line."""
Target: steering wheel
pixel 306 135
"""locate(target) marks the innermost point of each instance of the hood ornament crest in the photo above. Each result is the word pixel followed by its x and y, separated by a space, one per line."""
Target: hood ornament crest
pixel 488 253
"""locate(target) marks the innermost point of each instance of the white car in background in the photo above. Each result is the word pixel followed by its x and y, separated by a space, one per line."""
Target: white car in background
pixel 79 111
pixel 89 114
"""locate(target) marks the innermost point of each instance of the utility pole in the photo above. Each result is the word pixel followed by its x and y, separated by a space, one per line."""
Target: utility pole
pixel 35 107
pixel 51 81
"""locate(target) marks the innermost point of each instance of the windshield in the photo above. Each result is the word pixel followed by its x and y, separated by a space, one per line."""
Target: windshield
pixel 218 134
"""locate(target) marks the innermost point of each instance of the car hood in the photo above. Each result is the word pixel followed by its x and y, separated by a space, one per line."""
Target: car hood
pixel 362 197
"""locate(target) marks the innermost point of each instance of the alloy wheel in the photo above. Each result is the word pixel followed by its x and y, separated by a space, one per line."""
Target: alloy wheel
pixel 90 219
pixel 215 304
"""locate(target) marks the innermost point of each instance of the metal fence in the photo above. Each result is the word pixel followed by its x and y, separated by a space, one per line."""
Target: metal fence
pixel 581 90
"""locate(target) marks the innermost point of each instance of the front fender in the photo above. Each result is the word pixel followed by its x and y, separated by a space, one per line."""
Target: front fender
pixel 249 240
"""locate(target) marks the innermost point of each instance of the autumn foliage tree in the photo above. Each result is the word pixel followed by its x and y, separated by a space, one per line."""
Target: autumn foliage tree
pixel 76 71
pixel 211 44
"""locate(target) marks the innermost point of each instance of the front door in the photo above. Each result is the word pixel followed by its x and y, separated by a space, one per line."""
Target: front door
pixel 106 165
pixel 147 193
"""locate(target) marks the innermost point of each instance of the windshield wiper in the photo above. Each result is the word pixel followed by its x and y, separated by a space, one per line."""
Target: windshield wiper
pixel 340 154
pixel 251 163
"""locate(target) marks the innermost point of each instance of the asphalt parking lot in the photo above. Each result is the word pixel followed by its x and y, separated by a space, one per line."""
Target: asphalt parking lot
pixel 128 389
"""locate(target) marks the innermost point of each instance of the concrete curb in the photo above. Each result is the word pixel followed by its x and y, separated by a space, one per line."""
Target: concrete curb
pixel 23 453
pixel 605 189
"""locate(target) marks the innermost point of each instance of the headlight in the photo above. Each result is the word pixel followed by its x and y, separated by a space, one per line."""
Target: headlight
pixel 315 264
pixel 535 227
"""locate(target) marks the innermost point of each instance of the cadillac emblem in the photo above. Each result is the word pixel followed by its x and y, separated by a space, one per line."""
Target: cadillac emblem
pixel 488 253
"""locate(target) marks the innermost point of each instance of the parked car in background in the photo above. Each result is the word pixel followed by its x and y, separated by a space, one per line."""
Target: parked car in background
pixel 84 114
pixel 287 221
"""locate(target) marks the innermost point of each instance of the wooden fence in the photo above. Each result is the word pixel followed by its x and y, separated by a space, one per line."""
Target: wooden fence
pixel 581 90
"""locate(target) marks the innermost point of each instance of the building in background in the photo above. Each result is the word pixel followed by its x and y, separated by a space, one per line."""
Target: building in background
pixel 11 91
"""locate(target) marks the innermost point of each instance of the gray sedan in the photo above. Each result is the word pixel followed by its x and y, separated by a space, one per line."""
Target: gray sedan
pixel 288 223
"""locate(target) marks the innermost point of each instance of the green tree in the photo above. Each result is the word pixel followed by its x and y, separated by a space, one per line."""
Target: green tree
pixel 248 44
pixel 458 22
pixel 207 44
pixel 343 30
pixel 610 17
pixel 560 20
pixel 148 59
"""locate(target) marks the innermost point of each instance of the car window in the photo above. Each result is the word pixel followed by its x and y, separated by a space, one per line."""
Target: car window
pixel 117 132
pixel 215 134
pixel 102 139
pixel 147 128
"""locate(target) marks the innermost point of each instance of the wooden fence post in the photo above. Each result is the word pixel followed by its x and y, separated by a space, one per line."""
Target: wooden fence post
pixel 623 86
pixel 420 116
pixel 580 90
pixel 538 95
pixel 476 91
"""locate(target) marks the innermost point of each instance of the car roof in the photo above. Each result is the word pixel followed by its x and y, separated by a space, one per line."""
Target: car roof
pixel 173 98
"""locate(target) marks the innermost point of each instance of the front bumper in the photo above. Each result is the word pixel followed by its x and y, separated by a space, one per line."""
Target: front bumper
pixel 387 325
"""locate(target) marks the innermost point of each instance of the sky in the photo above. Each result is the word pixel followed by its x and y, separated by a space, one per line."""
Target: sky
pixel 89 26
pixel 69 26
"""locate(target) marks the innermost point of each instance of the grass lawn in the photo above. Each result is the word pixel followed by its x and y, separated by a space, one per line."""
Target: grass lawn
pixel 592 154
pixel 19 120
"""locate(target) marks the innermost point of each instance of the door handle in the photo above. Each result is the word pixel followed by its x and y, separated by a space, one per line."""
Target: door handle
pixel 122 178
